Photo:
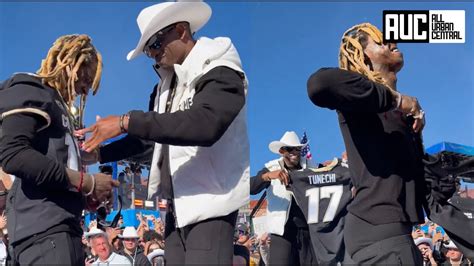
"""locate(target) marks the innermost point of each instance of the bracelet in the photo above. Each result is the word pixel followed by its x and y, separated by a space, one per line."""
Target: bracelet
pixel 121 123
pixel 93 186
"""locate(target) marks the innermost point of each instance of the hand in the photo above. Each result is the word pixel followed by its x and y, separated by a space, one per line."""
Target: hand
pixel 158 224
pixel 265 239
pixel 141 217
pixel 103 187
pixel 437 237
pixel 427 253
pixel 249 242
pixel 281 175
pixel 432 229
pixel 112 233
pixel 417 233
pixel 92 224
pixel 411 106
pixel 104 129
pixel 89 262
pixel 3 221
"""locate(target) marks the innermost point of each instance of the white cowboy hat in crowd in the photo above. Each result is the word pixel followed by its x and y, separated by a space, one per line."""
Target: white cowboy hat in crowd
pixel 424 240
pixel 450 245
pixel 155 253
pixel 159 16
pixel 129 232
pixel 93 232
pixel 289 139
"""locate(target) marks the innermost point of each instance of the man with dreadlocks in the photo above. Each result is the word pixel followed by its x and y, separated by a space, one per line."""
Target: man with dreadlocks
pixel 382 134
pixel 50 190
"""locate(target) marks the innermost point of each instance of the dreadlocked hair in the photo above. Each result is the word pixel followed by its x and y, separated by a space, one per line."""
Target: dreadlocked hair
pixel 351 52
pixel 59 69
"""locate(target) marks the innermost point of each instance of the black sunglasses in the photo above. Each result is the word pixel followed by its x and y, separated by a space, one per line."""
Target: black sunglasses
pixel 242 232
pixel 290 149
pixel 156 41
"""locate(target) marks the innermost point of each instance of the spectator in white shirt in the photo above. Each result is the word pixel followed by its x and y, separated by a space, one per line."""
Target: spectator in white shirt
pixel 100 245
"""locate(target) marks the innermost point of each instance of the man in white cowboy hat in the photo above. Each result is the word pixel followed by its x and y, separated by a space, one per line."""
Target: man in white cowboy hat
pixel 454 255
pixel 291 244
pixel 131 250
pixel 197 120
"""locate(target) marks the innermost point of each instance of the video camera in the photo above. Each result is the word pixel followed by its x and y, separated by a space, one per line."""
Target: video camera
pixel 444 172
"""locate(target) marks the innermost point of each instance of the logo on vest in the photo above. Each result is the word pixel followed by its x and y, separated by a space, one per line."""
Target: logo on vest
pixel 186 104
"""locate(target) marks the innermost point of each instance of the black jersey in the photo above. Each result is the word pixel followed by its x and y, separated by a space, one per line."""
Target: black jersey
pixel 37 148
pixel 323 195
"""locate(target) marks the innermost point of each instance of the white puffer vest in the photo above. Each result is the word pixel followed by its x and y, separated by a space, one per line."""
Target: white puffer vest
pixel 207 181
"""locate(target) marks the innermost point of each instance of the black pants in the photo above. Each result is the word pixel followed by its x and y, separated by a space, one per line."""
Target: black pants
pixel 207 242
pixel 293 248
pixel 387 244
pixel 58 248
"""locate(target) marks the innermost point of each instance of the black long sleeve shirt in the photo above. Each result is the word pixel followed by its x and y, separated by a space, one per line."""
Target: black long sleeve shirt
pixel 218 100
pixel 257 184
pixel 23 153
pixel 35 146
pixel 384 152
pixel 22 148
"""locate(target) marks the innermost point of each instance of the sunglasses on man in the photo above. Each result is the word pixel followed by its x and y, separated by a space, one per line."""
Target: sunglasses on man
pixel 156 41
pixel 291 149
pixel 242 232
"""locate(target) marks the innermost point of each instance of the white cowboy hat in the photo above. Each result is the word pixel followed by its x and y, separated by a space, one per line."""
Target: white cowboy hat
pixel 450 245
pixel 93 232
pixel 129 232
pixel 155 253
pixel 159 16
pixel 289 139
pixel 424 240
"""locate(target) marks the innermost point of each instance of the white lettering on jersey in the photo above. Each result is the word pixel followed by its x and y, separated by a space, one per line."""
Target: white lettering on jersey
pixel 322 179
pixel 318 193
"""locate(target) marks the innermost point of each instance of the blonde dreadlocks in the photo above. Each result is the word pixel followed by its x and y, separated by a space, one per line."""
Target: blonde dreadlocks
pixel 351 52
pixel 59 69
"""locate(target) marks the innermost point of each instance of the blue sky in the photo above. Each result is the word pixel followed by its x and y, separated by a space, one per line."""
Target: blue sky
pixel 280 45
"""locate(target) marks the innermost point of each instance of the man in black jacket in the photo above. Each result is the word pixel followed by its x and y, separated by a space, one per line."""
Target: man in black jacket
pixel 45 204
pixel 197 121
pixel 382 134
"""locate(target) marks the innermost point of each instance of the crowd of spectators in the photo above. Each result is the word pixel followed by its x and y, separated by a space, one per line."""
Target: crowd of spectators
pixel 125 245
pixel 436 247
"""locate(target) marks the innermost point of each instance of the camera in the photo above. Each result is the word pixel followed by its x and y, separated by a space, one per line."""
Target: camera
pixel 91 257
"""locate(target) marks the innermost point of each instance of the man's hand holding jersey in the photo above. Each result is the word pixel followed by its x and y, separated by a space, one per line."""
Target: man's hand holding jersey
pixel 281 175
